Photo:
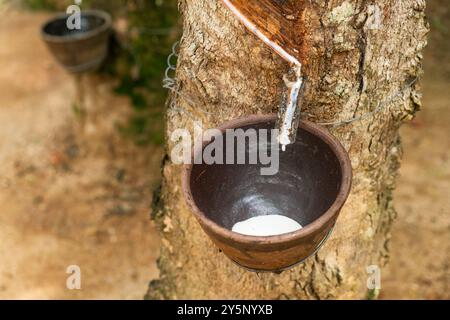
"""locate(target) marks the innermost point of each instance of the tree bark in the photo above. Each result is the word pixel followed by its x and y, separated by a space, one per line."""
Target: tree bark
pixel 225 72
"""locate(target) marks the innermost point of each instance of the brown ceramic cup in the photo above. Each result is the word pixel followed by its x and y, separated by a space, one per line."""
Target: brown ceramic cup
pixel 80 50
pixel 311 186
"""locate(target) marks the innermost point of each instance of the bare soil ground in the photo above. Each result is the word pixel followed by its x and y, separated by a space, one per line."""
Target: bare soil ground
pixel 73 195
pixel 420 246
pixel 68 195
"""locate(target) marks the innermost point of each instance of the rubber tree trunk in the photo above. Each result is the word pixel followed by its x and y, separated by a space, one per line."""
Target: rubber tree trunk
pixel 356 54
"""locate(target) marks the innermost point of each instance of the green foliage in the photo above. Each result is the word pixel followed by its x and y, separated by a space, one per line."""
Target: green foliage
pixel 373 294
pixel 145 128
pixel 78 111
pixel 153 30
pixel 41 4
pixel 438 24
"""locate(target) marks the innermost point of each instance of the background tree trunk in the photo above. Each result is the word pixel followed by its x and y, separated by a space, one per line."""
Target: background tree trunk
pixel 227 72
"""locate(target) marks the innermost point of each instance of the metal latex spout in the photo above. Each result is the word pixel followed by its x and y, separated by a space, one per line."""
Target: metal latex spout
pixel 290 107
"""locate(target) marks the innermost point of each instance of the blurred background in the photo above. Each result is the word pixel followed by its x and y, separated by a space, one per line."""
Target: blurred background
pixel 80 158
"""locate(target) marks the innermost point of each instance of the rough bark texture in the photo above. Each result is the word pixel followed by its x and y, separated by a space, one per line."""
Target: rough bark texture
pixel 229 73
